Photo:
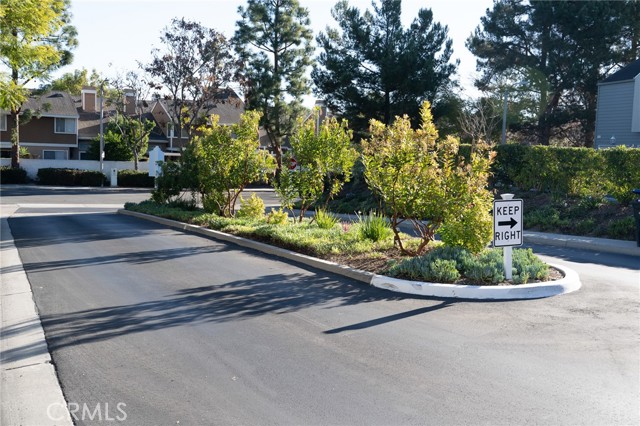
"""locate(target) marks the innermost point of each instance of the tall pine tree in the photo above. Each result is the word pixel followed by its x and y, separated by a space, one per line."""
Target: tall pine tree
pixel 561 49
pixel 273 39
pixel 372 67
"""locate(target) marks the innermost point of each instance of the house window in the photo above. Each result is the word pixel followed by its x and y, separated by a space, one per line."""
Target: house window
pixel 65 125
pixel 3 122
pixel 54 155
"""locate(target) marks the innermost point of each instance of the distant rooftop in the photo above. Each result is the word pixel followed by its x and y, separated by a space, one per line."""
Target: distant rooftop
pixel 629 72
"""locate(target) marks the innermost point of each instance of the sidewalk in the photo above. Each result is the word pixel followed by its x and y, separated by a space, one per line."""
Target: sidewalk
pixel 29 388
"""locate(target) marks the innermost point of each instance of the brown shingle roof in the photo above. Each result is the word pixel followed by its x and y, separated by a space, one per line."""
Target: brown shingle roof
pixel 52 104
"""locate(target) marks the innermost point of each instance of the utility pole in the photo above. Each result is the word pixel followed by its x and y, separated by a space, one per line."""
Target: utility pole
pixel 504 118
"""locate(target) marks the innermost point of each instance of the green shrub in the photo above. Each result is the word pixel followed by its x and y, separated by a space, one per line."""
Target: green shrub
pixel 444 271
pixel 471 228
pixel 486 267
pixel 527 266
pixel 252 208
pixel 169 184
pixel 565 172
pixel 374 226
pixel 623 229
pixel 277 217
pixel 220 161
pixel 325 220
pixel 135 179
pixel 622 172
pixel 420 177
pixel 325 157
pixel 545 218
pixel 11 175
pixel 70 177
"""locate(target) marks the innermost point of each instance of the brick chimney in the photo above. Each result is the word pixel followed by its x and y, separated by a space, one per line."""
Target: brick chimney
pixel 129 101
pixel 89 99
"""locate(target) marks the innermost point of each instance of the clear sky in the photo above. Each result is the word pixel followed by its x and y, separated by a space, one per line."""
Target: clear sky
pixel 114 34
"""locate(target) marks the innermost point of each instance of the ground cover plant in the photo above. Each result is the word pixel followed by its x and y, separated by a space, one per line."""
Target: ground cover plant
pixel 353 244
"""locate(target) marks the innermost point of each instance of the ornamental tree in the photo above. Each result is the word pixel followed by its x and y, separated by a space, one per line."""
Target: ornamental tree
pixel 325 157
pixel 222 160
pixel 35 39
pixel 423 180
pixel 194 64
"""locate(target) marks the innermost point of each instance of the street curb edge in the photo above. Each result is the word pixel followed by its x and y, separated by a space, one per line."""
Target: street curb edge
pixel 569 283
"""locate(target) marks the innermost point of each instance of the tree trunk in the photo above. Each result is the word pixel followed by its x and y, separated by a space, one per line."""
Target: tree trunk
pixel 15 140
pixel 544 122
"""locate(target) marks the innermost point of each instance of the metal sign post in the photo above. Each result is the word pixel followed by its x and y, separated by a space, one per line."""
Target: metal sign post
pixel 507 228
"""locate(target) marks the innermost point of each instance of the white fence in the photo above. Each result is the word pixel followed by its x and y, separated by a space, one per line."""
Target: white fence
pixel 32 166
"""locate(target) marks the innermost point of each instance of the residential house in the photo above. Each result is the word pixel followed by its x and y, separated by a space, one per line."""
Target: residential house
pixel 618 114
pixel 51 134
pixel 64 126
pixel 227 105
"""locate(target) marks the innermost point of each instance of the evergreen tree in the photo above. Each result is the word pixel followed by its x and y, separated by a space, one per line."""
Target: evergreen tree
pixel 560 50
pixel 372 67
pixel 273 39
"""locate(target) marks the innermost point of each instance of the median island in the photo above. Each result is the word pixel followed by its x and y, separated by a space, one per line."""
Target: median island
pixel 423 184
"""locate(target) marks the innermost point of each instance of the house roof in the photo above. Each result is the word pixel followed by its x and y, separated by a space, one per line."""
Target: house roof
pixel 227 105
pixel 52 104
pixel 628 72
pixel 89 122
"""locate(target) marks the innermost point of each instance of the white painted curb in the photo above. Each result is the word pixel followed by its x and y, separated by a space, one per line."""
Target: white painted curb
pixel 570 282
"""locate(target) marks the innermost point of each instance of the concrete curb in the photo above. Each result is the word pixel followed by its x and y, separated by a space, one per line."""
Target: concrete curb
pixel 29 387
pixel 570 282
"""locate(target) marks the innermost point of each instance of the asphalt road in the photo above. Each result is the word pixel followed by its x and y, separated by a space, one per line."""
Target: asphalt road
pixel 185 329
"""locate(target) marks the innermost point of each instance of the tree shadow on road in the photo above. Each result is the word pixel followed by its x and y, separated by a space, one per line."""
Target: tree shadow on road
pixel 233 301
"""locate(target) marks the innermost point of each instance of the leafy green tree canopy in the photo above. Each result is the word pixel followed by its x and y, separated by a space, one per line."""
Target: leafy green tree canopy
pixel 35 39
pixel 372 67
pixel 72 82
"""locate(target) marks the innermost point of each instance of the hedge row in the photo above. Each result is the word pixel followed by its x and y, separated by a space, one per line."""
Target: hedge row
pixel 569 171
pixel 70 177
pixel 10 175
pixel 135 179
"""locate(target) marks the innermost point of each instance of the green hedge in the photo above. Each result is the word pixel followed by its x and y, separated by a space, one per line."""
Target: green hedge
pixel 10 175
pixel 70 177
pixel 135 179
pixel 569 171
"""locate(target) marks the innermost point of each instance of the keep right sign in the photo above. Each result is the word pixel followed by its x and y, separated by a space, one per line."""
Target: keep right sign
pixel 507 223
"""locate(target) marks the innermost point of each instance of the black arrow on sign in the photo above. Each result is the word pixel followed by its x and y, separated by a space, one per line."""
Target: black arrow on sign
pixel 511 222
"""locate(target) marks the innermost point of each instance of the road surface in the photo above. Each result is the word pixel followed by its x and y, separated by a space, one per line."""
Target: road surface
pixel 180 329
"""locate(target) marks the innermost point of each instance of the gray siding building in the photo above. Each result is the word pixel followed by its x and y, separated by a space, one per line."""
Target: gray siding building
pixel 618 114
